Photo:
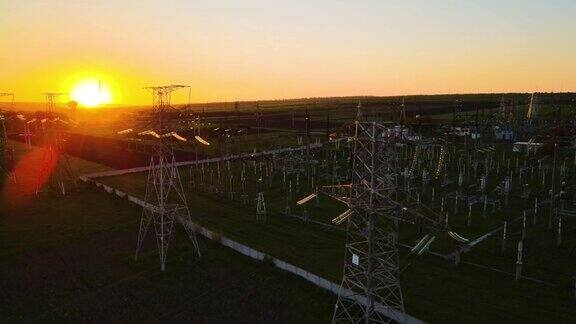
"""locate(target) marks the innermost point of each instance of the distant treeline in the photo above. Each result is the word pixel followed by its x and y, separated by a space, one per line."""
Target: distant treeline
pixel 442 100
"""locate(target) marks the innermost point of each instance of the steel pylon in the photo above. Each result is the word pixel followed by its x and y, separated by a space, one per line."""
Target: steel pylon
pixel 3 137
pixel 371 285
pixel 165 205
pixel 6 153
pixel 56 172
pixel 165 201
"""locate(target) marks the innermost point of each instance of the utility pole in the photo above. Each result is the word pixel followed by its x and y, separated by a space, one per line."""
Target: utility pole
pixel 328 127
pixel 552 190
pixel 237 113
pixel 453 116
pixel 258 117
pixel 307 126
pixel 477 131
pixel 402 113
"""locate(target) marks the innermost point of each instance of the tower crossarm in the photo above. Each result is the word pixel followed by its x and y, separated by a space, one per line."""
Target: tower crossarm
pixel 50 99
pixel 338 192
pixel 408 212
pixel 8 94
pixel 161 106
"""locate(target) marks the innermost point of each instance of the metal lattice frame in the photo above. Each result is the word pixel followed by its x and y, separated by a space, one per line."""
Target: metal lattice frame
pixel 371 285
pixel 6 153
pixel 3 132
pixel 260 208
pixel 55 163
pixel 165 199
pixel 50 99
pixel 27 134
pixel 3 136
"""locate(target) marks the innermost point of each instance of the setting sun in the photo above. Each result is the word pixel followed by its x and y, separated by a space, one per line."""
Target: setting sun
pixel 90 93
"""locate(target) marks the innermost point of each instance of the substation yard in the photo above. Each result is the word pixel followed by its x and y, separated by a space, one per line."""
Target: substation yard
pixel 481 288
pixel 80 263
pixel 71 258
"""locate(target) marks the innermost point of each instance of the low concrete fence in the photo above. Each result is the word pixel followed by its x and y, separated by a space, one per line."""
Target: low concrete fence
pixel 184 163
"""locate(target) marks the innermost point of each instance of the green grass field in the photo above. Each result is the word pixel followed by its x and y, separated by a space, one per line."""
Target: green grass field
pixel 435 290
pixel 70 258
pixel 77 251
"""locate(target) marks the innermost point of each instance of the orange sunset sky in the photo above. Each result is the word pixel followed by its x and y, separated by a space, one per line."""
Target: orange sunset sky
pixel 242 50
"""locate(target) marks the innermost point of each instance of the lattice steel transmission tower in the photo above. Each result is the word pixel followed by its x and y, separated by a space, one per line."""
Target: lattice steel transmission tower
pixel 8 94
pixel 55 169
pixel 165 199
pixel 402 112
pixel 50 100
pixel 3 136
pixel 371 285
pixel 359 114
pixel 260 204
pixel 3 131
pixel 457 112
pixel 6 153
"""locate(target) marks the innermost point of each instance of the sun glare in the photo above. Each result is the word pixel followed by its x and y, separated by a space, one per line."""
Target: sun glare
pixel 90 93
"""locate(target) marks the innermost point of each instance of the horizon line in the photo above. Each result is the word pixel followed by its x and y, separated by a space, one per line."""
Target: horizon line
pixel 129 105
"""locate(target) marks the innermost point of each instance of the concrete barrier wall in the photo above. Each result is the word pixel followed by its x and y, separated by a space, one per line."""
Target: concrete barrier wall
pixel 184 163
pixel 255 254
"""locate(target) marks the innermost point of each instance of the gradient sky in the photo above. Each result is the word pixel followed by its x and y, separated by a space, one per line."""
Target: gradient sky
pixel 228 50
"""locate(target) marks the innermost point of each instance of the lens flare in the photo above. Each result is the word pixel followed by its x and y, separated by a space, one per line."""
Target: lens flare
pixel 29 179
